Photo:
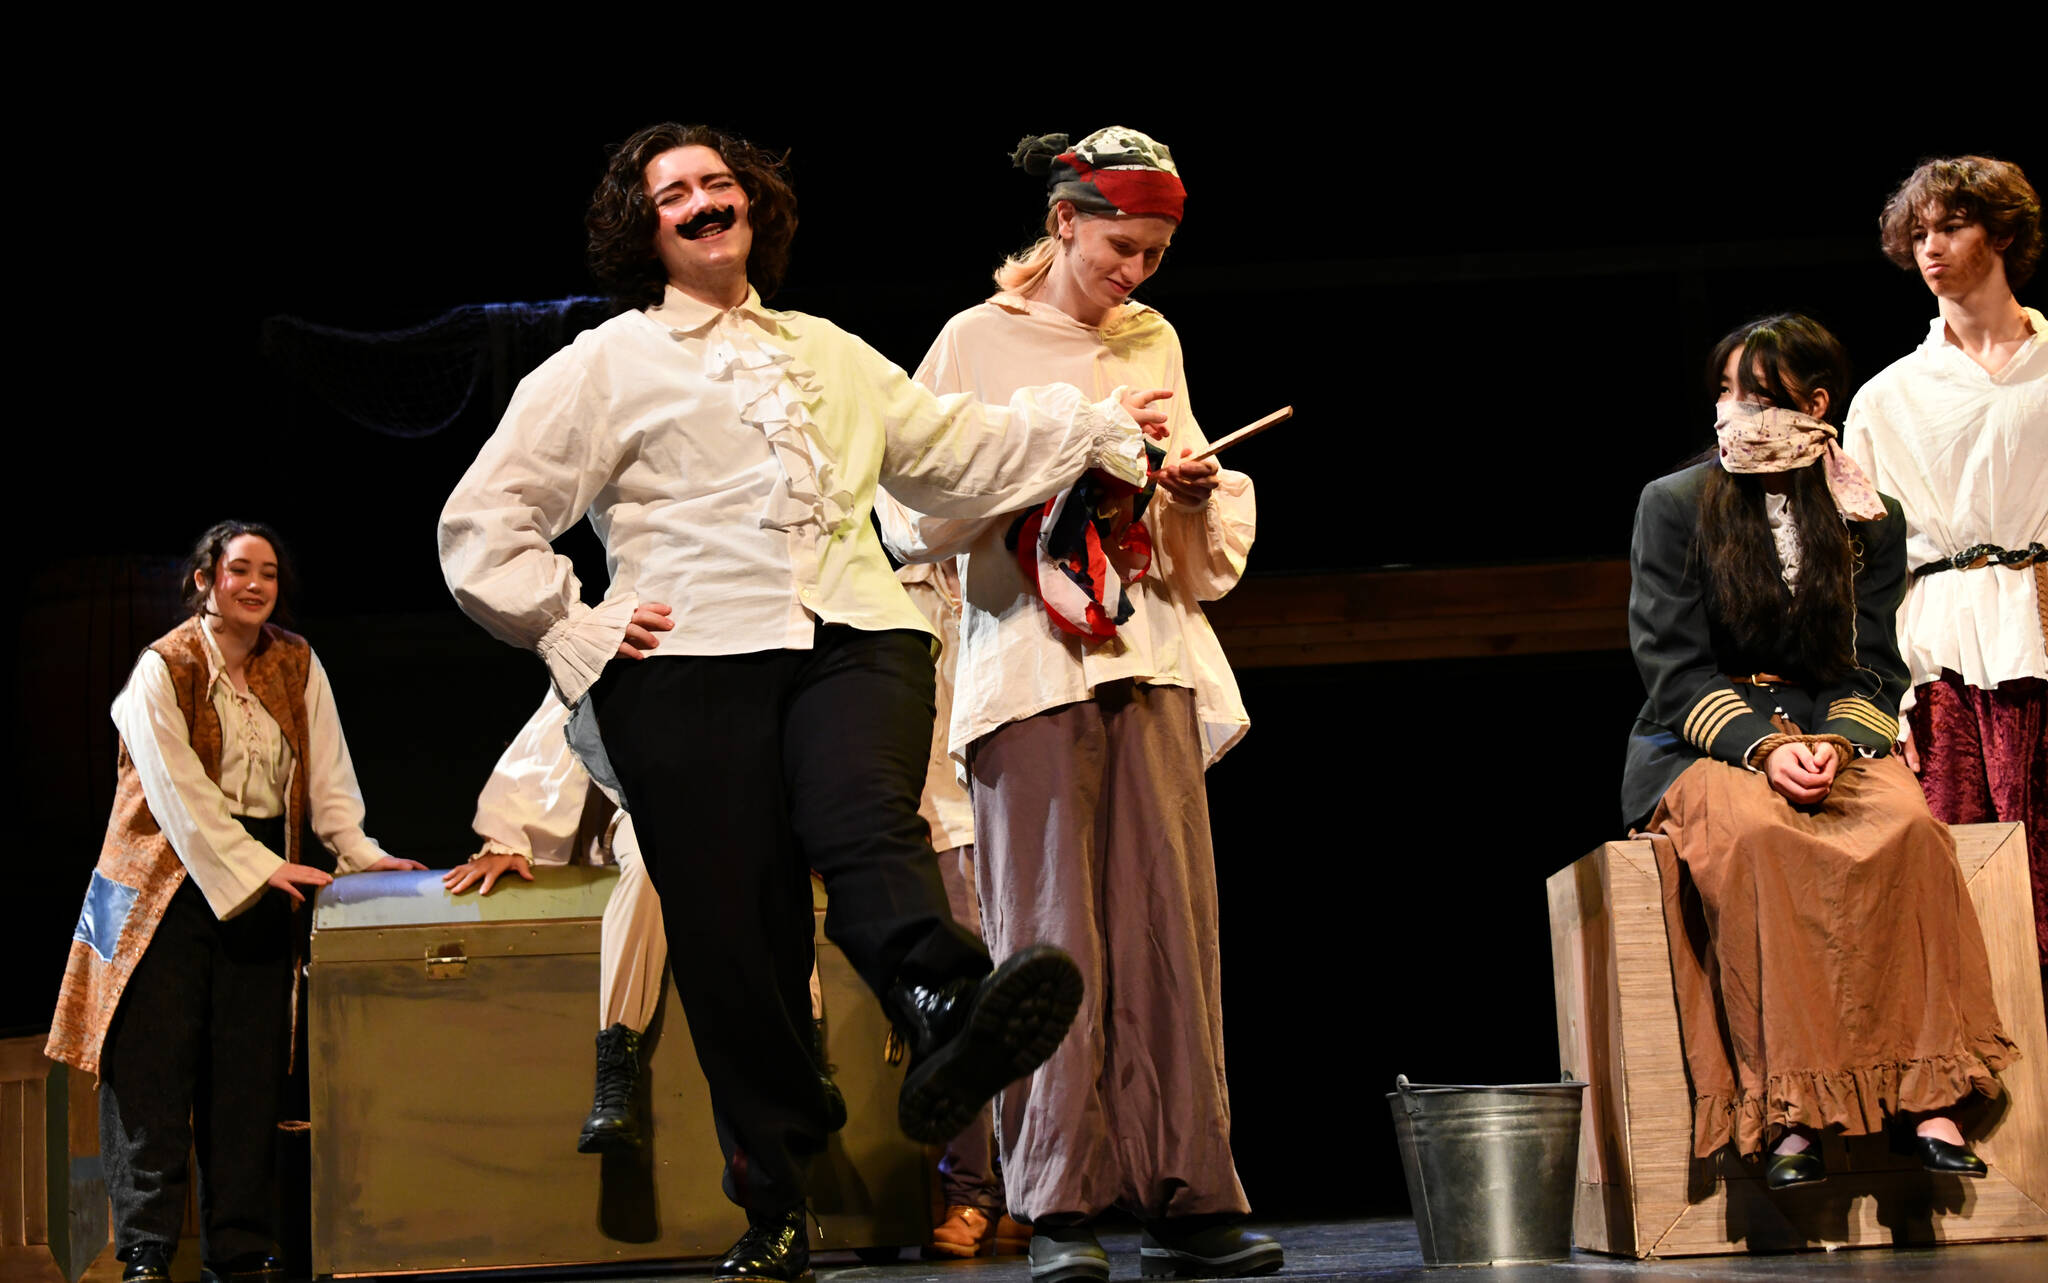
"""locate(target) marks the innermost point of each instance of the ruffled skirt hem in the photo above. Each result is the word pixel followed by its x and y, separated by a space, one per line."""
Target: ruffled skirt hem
pixel 1856 1101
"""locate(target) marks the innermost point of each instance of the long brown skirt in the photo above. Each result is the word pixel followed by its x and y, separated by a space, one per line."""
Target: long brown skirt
pixel 1827 960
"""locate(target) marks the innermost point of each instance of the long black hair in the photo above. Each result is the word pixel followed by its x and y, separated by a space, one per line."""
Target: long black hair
pixel 1785 360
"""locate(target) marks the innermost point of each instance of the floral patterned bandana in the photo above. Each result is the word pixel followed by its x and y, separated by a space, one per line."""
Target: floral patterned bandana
pixel 1112 171
pixel 1760 438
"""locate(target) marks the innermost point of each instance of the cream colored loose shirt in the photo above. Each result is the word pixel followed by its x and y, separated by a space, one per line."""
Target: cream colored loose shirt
pixel 728 460
pixel 231 868
pixel 935 589
pixel 1965 452
pixel 533 802
pixel 1013 661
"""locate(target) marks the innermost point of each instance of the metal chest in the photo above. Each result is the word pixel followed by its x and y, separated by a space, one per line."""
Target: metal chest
pixel 451 1060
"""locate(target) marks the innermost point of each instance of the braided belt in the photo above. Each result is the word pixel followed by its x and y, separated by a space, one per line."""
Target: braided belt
pixel 1986 554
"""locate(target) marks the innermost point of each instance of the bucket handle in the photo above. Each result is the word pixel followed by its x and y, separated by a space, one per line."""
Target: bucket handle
pixel 1410 1102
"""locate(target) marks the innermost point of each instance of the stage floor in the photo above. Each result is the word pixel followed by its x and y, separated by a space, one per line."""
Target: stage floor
pixel 1386 1249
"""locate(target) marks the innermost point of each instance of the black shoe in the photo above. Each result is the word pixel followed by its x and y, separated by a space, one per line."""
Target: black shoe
pixel 1202 1248
pixel 1938 1156
pixel 149 1263
pixel 252 1267
pixel 611 1127
pixel 1066 1254
pixel 835 1100
pixel 773 1249
pixel 1789 1170
pixel 969 1040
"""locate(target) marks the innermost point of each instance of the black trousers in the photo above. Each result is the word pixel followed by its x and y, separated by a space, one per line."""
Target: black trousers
pixel 744 773
pixel 195 1058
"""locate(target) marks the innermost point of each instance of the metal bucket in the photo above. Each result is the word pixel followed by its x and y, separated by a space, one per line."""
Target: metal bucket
pixel 1491 1170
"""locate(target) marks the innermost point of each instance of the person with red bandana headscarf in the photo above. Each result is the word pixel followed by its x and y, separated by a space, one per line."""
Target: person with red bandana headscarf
pixel 1090 697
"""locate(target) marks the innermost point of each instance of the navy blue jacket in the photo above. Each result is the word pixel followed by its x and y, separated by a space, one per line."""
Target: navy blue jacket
pixel 1686 655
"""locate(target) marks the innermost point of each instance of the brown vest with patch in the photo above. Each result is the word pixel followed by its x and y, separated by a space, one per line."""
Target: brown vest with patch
pixel 138 872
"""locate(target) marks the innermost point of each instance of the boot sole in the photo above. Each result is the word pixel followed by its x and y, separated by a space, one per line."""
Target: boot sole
pixel 805 1277
pixel 1076 1272
pixel 1165 1263
pixel 1072 1267
pixel 609 1143
pixel 1019 1017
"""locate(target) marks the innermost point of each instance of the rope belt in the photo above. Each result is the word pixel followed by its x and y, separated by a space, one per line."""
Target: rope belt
pixel 1986 554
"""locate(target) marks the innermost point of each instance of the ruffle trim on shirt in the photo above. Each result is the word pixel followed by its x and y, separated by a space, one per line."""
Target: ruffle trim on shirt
pixel 1856 1100
pixel 776 393
pixel 1116 444
pixel 578 646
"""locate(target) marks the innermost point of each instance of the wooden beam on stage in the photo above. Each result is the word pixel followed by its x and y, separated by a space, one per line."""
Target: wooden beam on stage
pixel 1369 616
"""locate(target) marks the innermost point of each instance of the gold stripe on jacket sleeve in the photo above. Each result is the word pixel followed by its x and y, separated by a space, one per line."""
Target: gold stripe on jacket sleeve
pixel 1865 713
pixel 1709 708
pixel 1718 724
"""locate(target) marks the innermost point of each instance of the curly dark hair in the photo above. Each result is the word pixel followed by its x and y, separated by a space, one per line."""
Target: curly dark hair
pixel 621 220
pixel 1980 189
pixel 1797 357
pixel 204 559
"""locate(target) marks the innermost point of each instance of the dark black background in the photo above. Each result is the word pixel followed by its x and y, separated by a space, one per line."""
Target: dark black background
pixel 1487 287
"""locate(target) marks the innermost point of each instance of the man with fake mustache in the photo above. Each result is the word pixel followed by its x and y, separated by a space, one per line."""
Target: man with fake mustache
pixel 755 683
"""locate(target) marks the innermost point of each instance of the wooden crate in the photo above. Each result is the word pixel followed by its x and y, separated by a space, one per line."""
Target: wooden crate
pixel 53 1197
pixel 1642 1194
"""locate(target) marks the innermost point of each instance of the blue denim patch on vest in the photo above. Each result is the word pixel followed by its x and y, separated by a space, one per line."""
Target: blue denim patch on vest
pixel 107 904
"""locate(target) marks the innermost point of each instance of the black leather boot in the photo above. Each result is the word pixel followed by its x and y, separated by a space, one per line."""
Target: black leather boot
pixel 148 1263
pixel 773 1249
pixel 835 1100
pixel 253 1267
pixel 612 1127
pixel 969 1039
pixel 1206 1247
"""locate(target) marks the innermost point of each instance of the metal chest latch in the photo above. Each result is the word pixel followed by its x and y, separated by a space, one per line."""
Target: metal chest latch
pixel 447 961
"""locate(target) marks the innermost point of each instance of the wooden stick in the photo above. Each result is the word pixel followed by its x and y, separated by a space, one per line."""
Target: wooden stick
pixel 1244 433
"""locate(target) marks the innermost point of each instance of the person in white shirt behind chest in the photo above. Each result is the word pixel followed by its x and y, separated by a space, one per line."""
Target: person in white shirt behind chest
pixel 1957 430
pixel 755 683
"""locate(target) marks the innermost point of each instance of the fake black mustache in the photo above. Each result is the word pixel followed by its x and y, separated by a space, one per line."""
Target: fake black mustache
pixel 722 219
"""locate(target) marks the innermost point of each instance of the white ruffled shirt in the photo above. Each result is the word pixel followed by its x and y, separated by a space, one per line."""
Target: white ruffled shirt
pixel 230 868
pixel 728 460
pixel 1013 661
pixel 1784 536
pixel 1965 452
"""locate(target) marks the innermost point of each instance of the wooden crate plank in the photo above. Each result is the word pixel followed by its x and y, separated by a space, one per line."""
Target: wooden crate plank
pixel 2016 1143
pixel 1588 1048
pixel 1858 1210
pixel 11 1226
pixel 32 1265
pixel 22 1058
pixel 1653 1062
pixel 35 1168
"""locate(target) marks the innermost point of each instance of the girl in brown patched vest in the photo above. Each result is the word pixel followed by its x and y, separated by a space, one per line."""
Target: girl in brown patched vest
pixel 178 993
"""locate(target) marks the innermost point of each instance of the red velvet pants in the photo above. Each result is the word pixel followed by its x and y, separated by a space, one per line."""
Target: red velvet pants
pixel 1984 757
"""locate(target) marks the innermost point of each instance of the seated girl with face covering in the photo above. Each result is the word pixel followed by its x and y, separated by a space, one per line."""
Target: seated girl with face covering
pixel 1829 969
